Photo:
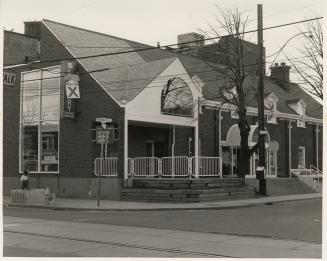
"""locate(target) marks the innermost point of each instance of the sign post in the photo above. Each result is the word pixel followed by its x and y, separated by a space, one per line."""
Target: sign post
pixel 103 138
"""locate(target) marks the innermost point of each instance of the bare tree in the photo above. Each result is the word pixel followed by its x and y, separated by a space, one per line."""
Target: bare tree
pixel 309 68
pixel 236 71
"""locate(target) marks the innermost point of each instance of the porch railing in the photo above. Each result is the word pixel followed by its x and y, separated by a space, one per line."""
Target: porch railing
pixel 175 166
pixel 107 166
pixel 208 166
pixel 144 166
pixel 179 166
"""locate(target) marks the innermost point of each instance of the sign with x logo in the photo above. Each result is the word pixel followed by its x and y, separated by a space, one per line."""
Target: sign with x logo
pixel 72 90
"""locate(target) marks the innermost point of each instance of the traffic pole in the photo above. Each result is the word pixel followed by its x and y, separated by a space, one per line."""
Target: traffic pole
pixel 261 118
pixel 101 171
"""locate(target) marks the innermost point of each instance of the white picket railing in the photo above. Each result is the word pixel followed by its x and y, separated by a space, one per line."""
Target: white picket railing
pixel 107 166
pixel 175 166
pixel 179 166
pixel 144 167
pixel 208 166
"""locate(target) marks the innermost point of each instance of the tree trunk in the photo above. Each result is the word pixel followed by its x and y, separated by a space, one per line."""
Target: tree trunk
pixel 243 163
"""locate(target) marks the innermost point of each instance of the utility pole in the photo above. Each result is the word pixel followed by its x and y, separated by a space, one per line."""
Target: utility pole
pixel 261 116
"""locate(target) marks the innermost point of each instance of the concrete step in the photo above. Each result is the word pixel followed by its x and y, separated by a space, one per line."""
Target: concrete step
pixel 188 183
pixel 186 195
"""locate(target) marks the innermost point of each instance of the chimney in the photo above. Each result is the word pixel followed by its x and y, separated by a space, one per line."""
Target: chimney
pixel 33 29
pixel 184 40
pixel 281 72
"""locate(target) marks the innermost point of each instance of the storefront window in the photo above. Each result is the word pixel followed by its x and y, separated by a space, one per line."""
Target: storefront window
pixel 29 150
pixel 39 122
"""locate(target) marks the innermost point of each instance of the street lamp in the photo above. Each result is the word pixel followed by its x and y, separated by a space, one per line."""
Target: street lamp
pixel 281 49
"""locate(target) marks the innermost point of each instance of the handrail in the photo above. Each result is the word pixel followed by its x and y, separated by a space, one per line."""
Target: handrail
pixel 315 169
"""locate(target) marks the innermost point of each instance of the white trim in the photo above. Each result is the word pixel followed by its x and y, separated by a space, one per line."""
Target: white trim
pixel 19 65
pixel 317 146
pixel 120 104
pixel 126 148
pixel 169 120
pixel 254 111
pixel 290 147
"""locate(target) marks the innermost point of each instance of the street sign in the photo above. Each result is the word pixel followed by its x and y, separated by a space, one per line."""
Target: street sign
pixel 72 90
pixel 264 132
pixel 9 78
pixel 105 136
pixel 103 120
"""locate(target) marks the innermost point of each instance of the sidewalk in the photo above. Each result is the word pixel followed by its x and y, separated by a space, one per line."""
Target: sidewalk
pixel 110 205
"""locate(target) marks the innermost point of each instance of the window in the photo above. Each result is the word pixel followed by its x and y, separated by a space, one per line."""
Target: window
pixel 176 98
pixel 39 121
pixel 271 119
pixel 301 157
pixel 301 123
pixel 234 114
pixel 270 103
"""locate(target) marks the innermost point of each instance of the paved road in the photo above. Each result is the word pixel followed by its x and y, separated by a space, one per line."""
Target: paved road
pixel 40 237
pixel 300 220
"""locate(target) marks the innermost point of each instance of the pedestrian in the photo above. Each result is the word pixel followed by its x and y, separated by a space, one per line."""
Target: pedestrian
pixel 24 180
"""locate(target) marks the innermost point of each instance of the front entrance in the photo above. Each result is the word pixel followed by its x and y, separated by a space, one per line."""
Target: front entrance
pixel 157 149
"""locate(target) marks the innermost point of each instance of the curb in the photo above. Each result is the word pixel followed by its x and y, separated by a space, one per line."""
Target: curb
pixel 240 205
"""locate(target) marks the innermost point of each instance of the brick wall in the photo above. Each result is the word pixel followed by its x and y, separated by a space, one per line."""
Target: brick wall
pixel 76 149
pixel 278 132
pixel 16 47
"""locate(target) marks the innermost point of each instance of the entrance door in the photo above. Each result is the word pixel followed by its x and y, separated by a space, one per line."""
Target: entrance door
pixel 160 149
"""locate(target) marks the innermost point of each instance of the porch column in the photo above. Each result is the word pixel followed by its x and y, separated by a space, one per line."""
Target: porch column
pixel 196 150
pixel 289 147
pixel 126 148
pixel 219 134
pixel 317 144
pixel 232 160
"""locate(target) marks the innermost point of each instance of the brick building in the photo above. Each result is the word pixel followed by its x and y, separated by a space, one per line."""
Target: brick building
pixel 162 104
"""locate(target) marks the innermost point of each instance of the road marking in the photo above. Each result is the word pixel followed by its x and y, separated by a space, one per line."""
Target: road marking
pixel 81 220
pixel 11 225
pixel 151 248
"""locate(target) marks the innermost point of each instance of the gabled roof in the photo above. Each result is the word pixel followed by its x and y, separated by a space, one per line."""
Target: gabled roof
pixel 129 73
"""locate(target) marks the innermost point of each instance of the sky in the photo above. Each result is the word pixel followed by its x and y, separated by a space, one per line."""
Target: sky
pixel 152 21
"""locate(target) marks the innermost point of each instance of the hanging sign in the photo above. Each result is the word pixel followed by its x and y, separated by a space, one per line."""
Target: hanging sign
pixel 72 90
pixel 9 78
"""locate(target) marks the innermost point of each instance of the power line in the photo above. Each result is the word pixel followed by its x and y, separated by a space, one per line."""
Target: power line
pixel 128 81
pixel 170 45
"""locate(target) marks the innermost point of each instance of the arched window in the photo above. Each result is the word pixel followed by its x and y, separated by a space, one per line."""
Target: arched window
pixel 176 98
